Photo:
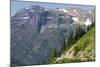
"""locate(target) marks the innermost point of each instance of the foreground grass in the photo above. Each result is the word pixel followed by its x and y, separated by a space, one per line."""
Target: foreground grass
pixel 83 50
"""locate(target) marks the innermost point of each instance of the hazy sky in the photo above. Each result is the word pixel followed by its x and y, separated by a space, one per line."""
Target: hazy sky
pixel 16 5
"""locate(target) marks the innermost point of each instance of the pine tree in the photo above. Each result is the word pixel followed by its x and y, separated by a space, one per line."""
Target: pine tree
pixel 52 56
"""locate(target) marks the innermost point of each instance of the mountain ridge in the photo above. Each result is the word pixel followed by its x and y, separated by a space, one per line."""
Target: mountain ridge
pixel 36 30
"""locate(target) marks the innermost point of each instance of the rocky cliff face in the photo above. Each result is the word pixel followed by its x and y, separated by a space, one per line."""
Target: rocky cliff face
pixel 36 30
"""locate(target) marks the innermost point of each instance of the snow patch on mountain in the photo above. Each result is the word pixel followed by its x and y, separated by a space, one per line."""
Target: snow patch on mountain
pixel 24 18
pixel 88 22
pixel 64 10
pixel 27 8
pixel 75 19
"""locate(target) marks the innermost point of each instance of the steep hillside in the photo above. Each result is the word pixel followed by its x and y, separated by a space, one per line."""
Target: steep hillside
pixel 82 50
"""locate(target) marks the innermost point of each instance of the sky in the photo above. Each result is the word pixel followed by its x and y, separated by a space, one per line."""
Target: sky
pixel 16 5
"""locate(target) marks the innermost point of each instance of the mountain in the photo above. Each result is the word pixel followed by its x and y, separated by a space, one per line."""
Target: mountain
pixel 36 30
pixel 82 50
pixel 81 14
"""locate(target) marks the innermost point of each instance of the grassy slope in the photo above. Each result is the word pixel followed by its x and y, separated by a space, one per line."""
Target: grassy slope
pixel 82 50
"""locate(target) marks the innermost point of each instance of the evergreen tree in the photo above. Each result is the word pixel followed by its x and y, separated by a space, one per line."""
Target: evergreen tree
pixel 52 56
